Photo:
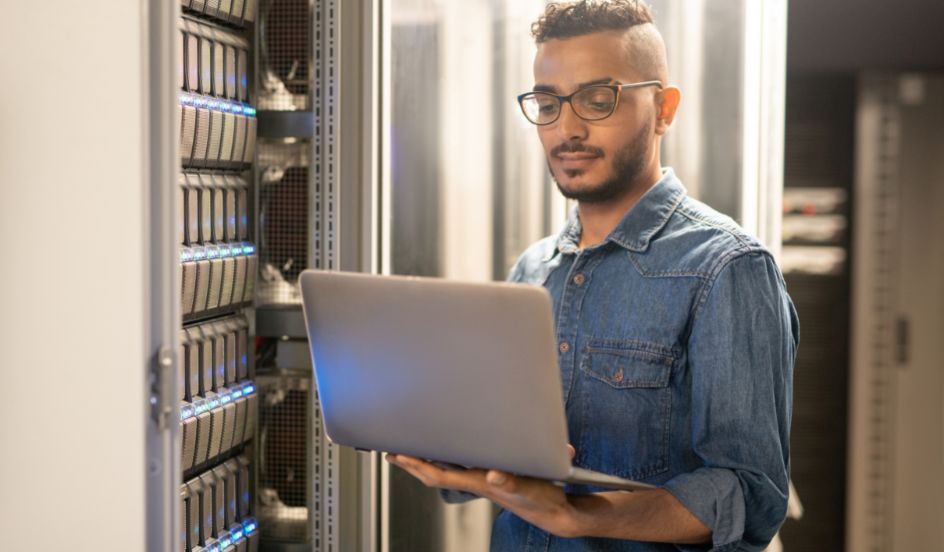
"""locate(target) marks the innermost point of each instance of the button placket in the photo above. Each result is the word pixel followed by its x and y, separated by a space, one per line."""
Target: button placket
pixel 571 306
pixel 566 327
pixel 574 293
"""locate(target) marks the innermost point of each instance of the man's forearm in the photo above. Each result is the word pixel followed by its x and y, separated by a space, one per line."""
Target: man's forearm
pixel 654 516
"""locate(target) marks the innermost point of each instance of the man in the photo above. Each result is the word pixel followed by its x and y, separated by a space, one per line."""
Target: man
pixel 676 336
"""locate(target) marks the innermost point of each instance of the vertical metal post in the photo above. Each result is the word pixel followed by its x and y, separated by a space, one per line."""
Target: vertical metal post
pixel 160 254
pixel 875 294
pixel 345 207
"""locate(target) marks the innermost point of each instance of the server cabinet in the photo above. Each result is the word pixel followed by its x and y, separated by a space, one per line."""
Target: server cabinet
pixel 221 441
pixel 896 437
pixel 217 393
pixel 315 181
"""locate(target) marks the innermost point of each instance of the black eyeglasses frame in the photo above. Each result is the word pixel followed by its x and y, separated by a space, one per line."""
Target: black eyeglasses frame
pixel 616 87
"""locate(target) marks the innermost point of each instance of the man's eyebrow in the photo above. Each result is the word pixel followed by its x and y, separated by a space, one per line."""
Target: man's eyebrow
pixel 554 89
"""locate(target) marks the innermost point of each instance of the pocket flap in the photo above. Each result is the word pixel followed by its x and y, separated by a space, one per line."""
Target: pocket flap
pixel 628 367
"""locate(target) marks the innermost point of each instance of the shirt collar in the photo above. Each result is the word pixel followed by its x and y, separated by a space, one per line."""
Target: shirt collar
pixel 639 225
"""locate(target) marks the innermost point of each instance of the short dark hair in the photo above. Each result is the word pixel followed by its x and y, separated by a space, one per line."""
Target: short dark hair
pixel 569 19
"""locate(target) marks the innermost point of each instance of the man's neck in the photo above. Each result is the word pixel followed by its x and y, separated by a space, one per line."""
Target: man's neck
pixel 597 220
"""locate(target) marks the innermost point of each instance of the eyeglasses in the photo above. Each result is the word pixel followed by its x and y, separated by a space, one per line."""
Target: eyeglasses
pixel 590 103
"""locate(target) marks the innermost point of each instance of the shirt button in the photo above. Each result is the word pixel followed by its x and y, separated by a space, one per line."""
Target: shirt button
pixel 564 347
pixel 579 279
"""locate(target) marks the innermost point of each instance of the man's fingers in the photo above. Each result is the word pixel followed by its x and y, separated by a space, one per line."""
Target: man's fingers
pixel 422 470
pixel 572 451
pixel 434 476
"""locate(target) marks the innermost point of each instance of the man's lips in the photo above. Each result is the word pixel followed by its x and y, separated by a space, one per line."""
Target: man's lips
pixel 580 156
pixel 576 161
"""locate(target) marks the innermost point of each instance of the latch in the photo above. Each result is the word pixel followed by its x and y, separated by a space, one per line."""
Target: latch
pixel 162 374
pixel 902 340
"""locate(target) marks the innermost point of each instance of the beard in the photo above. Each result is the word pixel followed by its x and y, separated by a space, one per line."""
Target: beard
pixel 627 165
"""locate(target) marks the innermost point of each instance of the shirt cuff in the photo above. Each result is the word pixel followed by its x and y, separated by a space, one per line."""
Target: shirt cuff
pixel 714 496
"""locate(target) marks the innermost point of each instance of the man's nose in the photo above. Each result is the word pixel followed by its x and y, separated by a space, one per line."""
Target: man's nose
pixel 569 125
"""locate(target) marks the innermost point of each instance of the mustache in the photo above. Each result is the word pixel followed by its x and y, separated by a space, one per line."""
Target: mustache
pixel 575 147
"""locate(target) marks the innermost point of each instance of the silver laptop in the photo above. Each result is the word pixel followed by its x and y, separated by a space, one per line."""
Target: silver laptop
pixel 461 373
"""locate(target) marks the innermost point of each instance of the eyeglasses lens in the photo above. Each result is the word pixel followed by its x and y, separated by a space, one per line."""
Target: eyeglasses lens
pixel 539 108
pixel 594 102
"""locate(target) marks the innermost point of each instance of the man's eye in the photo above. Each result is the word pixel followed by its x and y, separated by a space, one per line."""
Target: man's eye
pixel 547 108
pixel 598 102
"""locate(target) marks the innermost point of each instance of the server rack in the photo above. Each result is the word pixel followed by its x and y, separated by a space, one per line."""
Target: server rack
pixel 215 220
pixel 219 401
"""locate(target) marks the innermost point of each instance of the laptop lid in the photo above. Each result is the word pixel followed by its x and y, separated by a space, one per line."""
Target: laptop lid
pixel 457 372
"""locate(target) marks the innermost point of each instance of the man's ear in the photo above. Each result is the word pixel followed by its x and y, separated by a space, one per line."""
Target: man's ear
pixel 668 101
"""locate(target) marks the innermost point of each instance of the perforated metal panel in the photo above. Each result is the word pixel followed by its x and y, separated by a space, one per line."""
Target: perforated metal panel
pixel 286 231
pixel 298 194
pixel 284 458
pixel 285 77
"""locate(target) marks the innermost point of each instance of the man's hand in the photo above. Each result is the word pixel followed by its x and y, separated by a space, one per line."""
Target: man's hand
pixel 537 501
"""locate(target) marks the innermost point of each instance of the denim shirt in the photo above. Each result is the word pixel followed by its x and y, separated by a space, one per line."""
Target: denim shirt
pixel 676 340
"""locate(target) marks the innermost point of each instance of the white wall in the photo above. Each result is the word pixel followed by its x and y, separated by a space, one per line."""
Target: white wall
pixel 72 375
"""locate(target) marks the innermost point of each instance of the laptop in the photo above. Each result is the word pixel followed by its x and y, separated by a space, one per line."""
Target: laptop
pixel 453 372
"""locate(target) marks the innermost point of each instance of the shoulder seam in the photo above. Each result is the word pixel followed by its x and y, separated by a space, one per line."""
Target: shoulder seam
pixel 691 216
pixel 723 262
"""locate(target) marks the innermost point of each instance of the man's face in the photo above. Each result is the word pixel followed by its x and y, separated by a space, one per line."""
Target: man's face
pixel 595 161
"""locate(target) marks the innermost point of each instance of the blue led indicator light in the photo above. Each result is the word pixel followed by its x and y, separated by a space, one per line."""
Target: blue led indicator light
pixel 199 254
pixel 237 533
pixel 237 108
pixel 237 393
pixel 212 253
pixel 200 102
pixel 186 99
pixel 249 111
pixel 249 525
pixel 248 388
pixel 186 255
pixel 225 398
pixel 213 548
pixel 226 107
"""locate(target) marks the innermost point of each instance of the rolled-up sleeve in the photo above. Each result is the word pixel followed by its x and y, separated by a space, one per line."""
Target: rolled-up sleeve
pixel 741 352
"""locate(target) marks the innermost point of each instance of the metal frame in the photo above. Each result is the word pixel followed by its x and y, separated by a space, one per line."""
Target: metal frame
pixel 872 404
pixel 346 201
pixel 382 22
pixel 161 270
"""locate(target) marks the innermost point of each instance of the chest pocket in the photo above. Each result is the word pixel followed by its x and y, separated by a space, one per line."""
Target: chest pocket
pixel 625 407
